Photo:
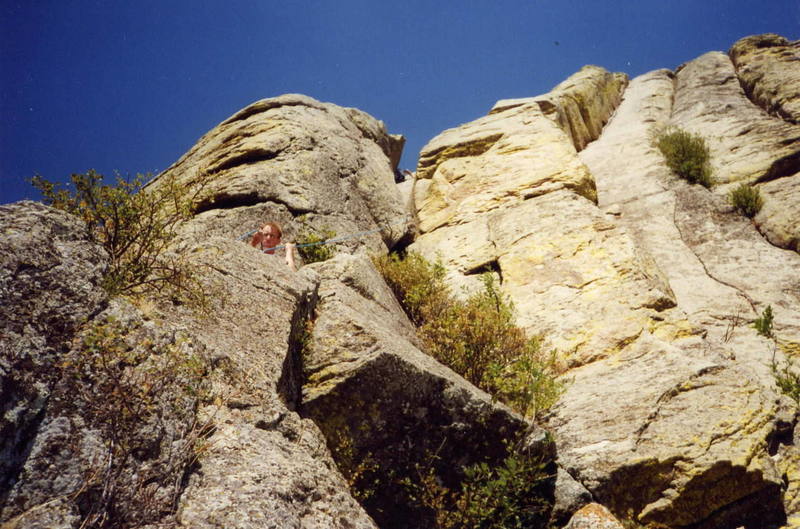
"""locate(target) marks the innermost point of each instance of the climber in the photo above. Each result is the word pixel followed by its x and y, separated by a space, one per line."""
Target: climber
pixel 268 238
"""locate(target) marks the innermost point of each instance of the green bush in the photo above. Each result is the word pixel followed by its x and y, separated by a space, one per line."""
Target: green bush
pixel 477 338
pixel 746 200
pixel 316 252
pixel 506 496
pixel 686 154
pixel 135 227
pixel 787 378
pixel 763 324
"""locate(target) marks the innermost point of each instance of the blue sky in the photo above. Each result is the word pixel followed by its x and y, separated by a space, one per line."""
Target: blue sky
pixel 130 85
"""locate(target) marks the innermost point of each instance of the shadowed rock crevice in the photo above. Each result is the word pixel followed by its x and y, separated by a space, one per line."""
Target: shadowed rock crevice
pixel 249 157
pixel 290 383
pixel 782 167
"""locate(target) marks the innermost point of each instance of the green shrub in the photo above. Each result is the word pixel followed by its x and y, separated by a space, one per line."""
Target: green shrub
pixel 315 252
pixel 686 154
pixel 510 495
pixel 746 200
pixel 417 284
pixel 477 338
pixel 787 377
pixel 136 228
pixel 763 324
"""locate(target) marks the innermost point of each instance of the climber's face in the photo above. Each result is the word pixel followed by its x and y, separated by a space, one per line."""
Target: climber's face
pixel 270 237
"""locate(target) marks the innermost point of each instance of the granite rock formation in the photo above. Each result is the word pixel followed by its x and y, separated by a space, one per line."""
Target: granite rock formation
pixel 646 287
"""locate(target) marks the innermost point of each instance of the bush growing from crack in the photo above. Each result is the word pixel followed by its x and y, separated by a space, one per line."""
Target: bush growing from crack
pixel 477 338
pixel 136 227
pixel 763 324
pixel 317 252
pixel 686 154
pixel 746 200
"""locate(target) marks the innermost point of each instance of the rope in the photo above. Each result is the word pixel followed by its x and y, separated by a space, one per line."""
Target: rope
pixel 335 239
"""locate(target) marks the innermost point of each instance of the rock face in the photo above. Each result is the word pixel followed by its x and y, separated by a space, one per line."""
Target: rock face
pixel 266 409
pixel 307 165
pixel 47 290
pixel 764 68
pixel 648 292
pixel 747 145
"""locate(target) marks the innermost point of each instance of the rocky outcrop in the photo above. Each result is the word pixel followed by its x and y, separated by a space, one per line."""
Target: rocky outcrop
pixel 764 67
pixel 644 295
pixel 310 166
pixel 581 105
pixel 295 391
pixel 747 145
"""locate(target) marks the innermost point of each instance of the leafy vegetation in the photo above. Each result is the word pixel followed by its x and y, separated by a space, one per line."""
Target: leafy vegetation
pixel 686 154
pixel 763 324
pixel 136 227
pixel 746 200
pixel 787 377
pixel 477 338
pixel 316 252
pixel 505 496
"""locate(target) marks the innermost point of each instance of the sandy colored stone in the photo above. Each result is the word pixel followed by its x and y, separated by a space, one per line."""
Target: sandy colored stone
pixel 746 144
pixel 493 162
pixel 698 243
pixel 778 218
pixel 581 104
pixel 672 435
pixel 594 516
pixel 768 67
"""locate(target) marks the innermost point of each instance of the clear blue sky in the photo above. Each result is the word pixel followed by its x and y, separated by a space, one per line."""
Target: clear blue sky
pixel 130 85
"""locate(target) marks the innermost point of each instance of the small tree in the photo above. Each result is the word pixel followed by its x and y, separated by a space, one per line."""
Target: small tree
pixel 135 226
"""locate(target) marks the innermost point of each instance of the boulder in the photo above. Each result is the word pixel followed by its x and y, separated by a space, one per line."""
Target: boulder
pixel 594 516
pixel 310 166
pixel 389 411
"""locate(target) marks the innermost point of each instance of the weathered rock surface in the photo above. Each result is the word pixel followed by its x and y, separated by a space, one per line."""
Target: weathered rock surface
pixel 265 466
pixel 746 144
pixel 581 105
pixel 382 402
pixel 652 293
pixel 566 267
pixel 765 65
pixel 308 165
pixel 594 516
pixel 49 277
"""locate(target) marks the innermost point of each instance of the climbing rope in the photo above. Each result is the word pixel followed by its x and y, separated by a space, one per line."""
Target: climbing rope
pixel 405 220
